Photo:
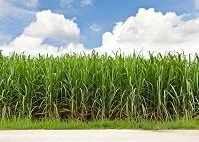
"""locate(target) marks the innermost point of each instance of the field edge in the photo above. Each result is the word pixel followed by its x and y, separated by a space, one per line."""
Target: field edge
pixel 53 124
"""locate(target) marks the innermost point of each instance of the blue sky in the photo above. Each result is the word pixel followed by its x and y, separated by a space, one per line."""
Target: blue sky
pixel 96 17
pixel 104 13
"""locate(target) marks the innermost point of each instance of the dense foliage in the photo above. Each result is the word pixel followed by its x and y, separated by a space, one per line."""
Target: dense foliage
pixel 89 87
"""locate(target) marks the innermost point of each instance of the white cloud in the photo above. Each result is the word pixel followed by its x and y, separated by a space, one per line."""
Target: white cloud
pixel 29 3
pixel 47 24
pixel 64 3
pixel 86 2
pixel 147 31
pixel 197 4
pixel 95 28
pixel 8 10
pixel 153 31
pixel 10 15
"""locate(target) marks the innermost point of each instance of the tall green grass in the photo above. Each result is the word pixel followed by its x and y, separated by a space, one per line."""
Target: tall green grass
pixel 93 87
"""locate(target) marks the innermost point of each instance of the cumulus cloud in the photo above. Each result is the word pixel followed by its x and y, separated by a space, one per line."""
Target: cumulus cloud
pixel 47 25
pixel 153 31
pixel 86 2
pixel 95 28
pixel 147 31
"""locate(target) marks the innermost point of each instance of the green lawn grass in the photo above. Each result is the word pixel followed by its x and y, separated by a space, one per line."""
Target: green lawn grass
pixel 25 124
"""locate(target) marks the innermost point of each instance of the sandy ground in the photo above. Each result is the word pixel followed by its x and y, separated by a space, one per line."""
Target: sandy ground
pixel 99 136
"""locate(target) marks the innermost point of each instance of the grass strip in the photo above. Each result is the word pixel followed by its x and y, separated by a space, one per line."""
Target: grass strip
pixel 52 124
